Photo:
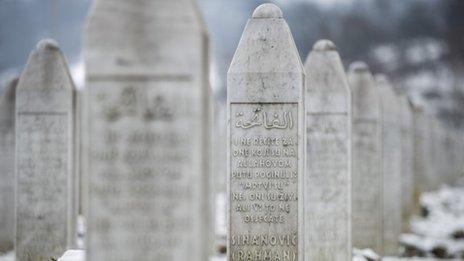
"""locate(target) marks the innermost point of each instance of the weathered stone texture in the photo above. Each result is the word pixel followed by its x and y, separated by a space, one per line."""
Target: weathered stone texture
pixel 148 105
pixel 7 161
pixel 391 165
pixel 266 149
pixel 366 168
pixel 328 147
pixel 44 190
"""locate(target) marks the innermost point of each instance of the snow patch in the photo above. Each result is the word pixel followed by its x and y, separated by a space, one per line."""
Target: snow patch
pixel 73 255
pixel 440 232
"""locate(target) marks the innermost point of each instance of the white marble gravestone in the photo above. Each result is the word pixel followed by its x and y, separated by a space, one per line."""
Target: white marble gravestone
pixel 265 99
pixel 407 162
pixel 391 165
pixel 328 148
pixel 44 191
pixel 366 169
pixel 148 103
pixel 7 161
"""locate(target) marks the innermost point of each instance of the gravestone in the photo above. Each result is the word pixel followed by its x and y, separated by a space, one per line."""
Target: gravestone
pixel 77 195
pixel 457 155
pixel 407 163
pixel 148 105
pixel 431 174
pixel 391 165
pixel 265 86
pixel 44 191
pixel 7 161
pixel 219 189
pixel 328 148
pixel 442 167
pixel 366 170
pixel 449 155
pixel 420 152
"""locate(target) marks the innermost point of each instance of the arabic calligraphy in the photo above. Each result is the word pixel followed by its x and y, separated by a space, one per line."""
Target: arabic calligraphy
pixel 261 118
pixel 131 102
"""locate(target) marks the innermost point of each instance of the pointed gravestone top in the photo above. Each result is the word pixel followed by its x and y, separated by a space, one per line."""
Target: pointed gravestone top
pixel 47 44
pixel 388 97
pixel 324 45
pixel 46 72
pixel 364 92
pixel 267 11
pixel 326 83
pixel 266 50
pixel 359 66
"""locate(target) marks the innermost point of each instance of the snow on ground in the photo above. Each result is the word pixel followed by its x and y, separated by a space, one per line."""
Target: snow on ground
pixel 365 255
pixel 440 232
pixel 8 256
pixel 73 255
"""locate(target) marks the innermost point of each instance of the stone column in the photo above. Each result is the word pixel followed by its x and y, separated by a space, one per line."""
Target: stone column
pixel 148 105
pixel 219 189
pixel 45 220
pixel 7 161
pixel 391 165
pixel 366 168
pixel 420 153
pixel 407 162
pixel 432 160
pixel 266 154
pixel 328 162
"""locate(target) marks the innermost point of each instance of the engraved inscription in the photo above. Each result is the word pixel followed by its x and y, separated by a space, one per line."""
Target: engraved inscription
pixel 264 181
pixel 328 187
pixel 146 172
pixel 42 184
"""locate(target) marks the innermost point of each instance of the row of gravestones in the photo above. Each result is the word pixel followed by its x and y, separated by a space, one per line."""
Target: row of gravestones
pixel 317 162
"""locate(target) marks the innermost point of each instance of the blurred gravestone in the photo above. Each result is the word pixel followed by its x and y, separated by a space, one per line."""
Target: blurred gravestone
pixel 44 190
pixel 149 141
pixel 420 152
pixel 76 172
pixel 265 85
pixel 431 161
pixel 391 165
pixel 219 184
pixel 7 161
pixel 366 175
pixel 328 173
pixel 407 162
pixel 435 174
